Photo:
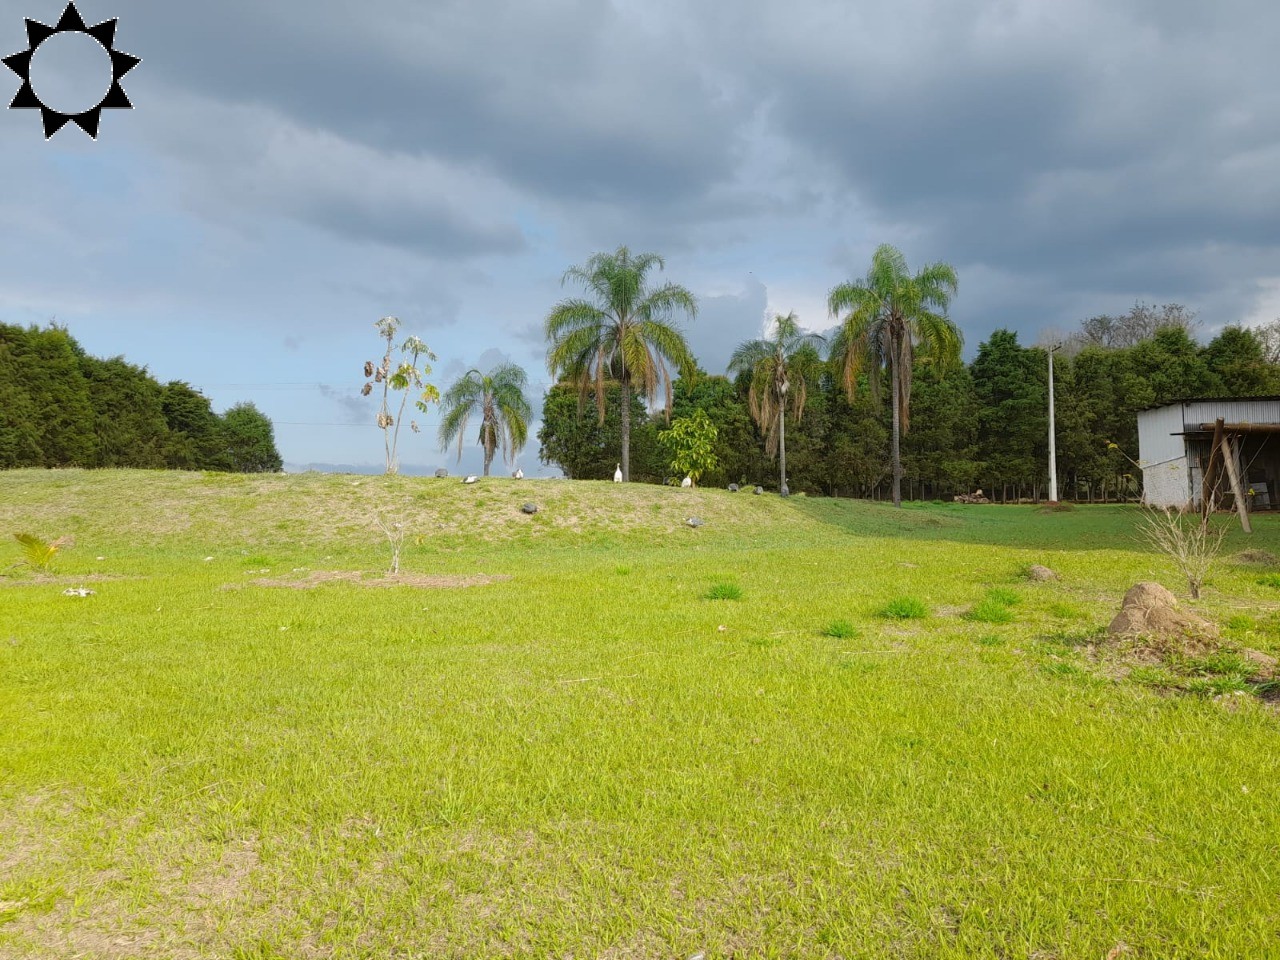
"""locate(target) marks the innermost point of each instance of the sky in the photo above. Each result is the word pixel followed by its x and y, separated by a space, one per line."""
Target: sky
pixel 294 171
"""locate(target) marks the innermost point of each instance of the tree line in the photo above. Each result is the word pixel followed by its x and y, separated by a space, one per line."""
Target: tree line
pixel 785 415
pixel 61 407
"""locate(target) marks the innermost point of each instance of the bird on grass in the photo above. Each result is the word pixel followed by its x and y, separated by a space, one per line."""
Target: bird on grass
pixel 519 474
pixel 687 482
pixel 617 474
pixel 471 479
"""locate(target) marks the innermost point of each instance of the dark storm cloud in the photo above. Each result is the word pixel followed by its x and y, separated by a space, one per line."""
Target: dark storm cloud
pixel 565 98
pixel 1110 147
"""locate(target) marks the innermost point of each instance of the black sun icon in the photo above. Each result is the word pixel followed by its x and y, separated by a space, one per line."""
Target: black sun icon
pixel 71 22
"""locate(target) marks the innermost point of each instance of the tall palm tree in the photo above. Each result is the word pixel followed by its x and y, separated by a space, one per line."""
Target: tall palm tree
pixel 504 412
pixel 889 318
pixel 621 330
pixel 776 364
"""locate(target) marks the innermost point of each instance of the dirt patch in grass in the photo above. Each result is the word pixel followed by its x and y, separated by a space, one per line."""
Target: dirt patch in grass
pixel 421 581
pixel 99 918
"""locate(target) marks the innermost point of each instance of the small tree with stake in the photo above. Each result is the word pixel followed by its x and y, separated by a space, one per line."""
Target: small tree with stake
pixel 691 445
pixel 409 374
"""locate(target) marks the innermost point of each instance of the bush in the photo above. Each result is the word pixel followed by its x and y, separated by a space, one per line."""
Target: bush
pixel 904 608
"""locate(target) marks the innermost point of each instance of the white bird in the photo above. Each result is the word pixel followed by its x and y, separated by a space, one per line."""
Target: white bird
pixel 687 482
pixel 617 474
pixel 519 474
pixel 470 480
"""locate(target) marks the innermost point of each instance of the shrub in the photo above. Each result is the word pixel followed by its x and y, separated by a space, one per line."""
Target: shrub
pixel 904 608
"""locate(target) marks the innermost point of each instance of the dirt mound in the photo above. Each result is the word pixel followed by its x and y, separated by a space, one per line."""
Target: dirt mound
pixel 1152 612
pixel 1037 573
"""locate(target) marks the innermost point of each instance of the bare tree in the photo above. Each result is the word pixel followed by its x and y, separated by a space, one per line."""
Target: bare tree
pixel 1190 538
pixel 1142 322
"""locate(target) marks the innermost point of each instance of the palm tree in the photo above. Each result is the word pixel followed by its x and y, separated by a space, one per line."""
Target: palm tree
pixel 772 363
pixel 890 317
pixel 504 411
pixel 622 330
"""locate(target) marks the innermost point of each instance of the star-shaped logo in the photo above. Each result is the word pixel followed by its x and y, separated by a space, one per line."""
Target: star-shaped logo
pixel 71 22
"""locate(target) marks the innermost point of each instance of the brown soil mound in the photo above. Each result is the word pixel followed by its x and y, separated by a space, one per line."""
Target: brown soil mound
pixel 421 581
pixel 1150 611
pixel 1038 573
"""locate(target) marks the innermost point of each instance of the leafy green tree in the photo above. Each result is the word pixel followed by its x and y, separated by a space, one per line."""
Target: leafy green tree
pixel 250 440
pixel 128 414
pixel 407 373
pixel 195 431
pixel 941 452
pixel 48 364
pixel 889 318
pixel 622 330
pixel 857 443
pixel 738 446
pixel 776 368
pixel 1236 357
pixel 1011 385
pixel 19 431
pixel 498 398
pixel 690 445
pixel 586 448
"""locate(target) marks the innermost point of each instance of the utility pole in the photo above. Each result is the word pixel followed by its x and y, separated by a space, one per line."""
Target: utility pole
pixel 1053 438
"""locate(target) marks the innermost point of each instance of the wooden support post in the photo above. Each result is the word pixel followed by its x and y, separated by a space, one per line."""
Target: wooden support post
pixel 1233 474
pixel 1208 489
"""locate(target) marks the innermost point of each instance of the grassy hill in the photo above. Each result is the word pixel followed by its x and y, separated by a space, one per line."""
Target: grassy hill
pixel 596 731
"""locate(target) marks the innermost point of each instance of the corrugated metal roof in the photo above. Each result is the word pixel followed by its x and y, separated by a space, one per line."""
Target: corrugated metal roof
pixel 1186 400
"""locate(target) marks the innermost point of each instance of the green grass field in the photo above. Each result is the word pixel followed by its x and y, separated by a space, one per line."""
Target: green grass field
pixel 636 740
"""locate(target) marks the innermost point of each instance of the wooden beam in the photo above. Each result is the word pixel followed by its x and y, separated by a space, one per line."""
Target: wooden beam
pixel 1233 474
pixel 1209 487
pixel 1242 428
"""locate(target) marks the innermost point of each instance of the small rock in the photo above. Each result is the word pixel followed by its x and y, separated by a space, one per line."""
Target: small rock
pixel 441 473
pixel 694 522
pixel 1040 574
pixel 471 479
pixel 758 490
pixel 529 508
pixel 733 488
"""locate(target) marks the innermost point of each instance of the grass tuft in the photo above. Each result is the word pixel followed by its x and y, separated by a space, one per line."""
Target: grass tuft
pixel 840 630
pixel 723 591
pixel 904 608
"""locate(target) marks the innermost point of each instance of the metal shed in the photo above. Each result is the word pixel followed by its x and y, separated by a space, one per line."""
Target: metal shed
pixel 1176 441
